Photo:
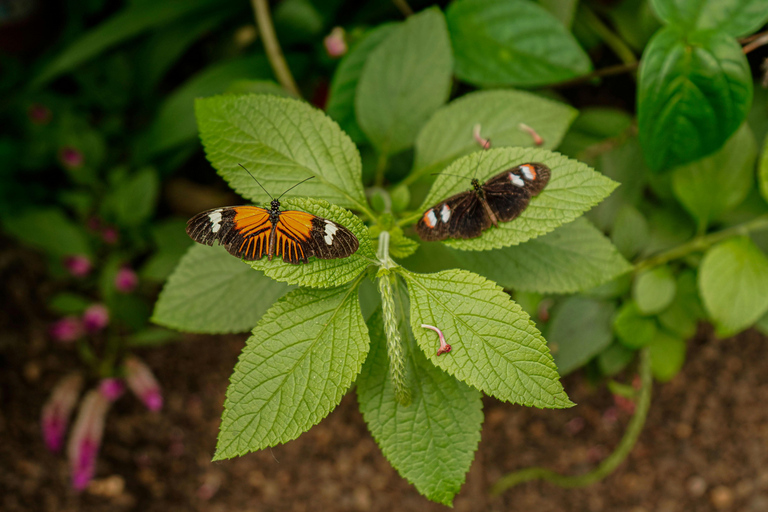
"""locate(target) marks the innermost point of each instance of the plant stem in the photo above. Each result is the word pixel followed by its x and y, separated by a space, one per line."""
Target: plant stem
pixel 403 6
pixel 618 69
pixel 272 47
pixel 756 42
pixel 701 243
pixel 613 41
pixel 381 167
pixel 611 462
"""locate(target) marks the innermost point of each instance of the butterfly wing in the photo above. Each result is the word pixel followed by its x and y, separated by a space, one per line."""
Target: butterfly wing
pixel 242 230
pixel 299 235
pixel 459 216
pixel 509 193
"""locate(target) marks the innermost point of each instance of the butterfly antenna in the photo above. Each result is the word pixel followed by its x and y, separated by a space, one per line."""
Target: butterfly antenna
pixel 257 181
pixel 293 187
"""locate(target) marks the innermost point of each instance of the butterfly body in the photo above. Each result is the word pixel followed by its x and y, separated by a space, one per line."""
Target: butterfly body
pixel 250 232
pixel 500 199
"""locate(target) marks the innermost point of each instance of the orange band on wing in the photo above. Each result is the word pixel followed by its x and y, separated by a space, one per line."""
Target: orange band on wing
pixel 249 219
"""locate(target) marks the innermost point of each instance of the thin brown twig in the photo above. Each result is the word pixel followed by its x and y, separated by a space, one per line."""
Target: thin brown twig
pixel 756 43
pixel 747 39
pixel 272 47
pixel 609 71
pixel 403 7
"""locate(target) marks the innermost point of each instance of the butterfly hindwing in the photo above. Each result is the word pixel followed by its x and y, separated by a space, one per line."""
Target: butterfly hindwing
pixel 459 216
pixel 509 192
pixel 300 235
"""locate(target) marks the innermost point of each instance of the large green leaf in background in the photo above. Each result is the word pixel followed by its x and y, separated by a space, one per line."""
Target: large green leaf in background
pixel 572 189
pixel 734 17
pixel 405 79
pixel 495 345
pixel 281 141
pixel 449 133
pixel 432 441
pixel 519 43
pixel 48 230
pixel 211 291
pixel 733 280
pixel 302 357
pixel 695 90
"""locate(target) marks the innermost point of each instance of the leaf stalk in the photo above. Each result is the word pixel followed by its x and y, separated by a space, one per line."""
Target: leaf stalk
pixel 272 47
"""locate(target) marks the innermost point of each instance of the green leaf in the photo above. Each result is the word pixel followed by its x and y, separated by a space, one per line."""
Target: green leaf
pixel 175 121
pixel 495 345
pixel 67 303
pixel 634 329
pixel 151 337
pixel 211 291
pixel 432 441
pixel 258 87
pixel 572 189
pixel 400 246
pixel 630 231
pixel 654 290
pixel 667 355
pixel 593 126
pixel 341 97
pixel 448 134
pixel 694 91
pixel 614 359
pixel 281 141
pixel 733 278
pixel 300 360
pixel 762 170
pixel 404 80
pixel 669 227
pixel 563 10
pixel 48 230
pixel 574 257
pixel 133 200
pixel 579 330
pixel 171 242
pixel 682 316
pixel 519 43
pixel 710 187
pixel 316 272
pixel 635 22
pixel 734 17
pixel 128 23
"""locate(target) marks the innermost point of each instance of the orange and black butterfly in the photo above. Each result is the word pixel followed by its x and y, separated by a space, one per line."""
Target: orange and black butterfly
pixel 250 232
pixel 500 199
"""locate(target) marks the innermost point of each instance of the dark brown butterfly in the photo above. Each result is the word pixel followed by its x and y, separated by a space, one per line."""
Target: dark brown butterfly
pixel 500 199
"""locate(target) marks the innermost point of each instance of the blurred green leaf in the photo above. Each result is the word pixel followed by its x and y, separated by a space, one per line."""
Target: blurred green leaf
pixel 734 17
pixel 580 329
pixel 667 355
pixel 713 185
pixel 694 91
pixel 682 316
pixel 152 337
pixel 654 290
pixel 496 42
pixel 134 199
pixel 630 231
pixel 634 329
pixel 592 126
pixel 563 10
pixel 171 242
pixel 258 87
pixel 762 170
pixel 635 22
pixel 614 359
pixel 404 80
pixel 49 230
pixel 669 226
pixel 68 303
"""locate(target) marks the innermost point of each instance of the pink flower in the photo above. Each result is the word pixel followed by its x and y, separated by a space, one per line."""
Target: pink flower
pixel 78 265
pixel 110 235
pixel 85 439
pixel 70 157
pixel 93 223
pixel 143 383
pixel 444 347
pixel 39 114
pixel 335 43
pixel 484 143
pixel 96 317
pixel 111 388
pixel 66 329
pixel 58 409
pixel 126 280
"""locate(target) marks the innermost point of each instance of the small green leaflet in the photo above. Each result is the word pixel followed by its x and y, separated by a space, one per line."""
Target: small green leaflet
pixel 432 441
pixel 448 134
pixel 496 346
pixel 634 329
pixel 404 80
pixel 281 141
pixel 572 189
pixel 654 290
pixel 211 291
pixel 302 357
pixel 574 257
pixel 733 279
pixel 667 355
pixel 317 272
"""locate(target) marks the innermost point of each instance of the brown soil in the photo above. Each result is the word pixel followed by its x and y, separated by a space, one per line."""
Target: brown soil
pixel 704 448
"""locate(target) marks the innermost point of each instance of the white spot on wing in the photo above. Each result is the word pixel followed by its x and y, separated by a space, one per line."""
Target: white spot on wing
pixel 527 172
pixel 215 217
pixel 431 218
pixel 516 180
pixel 330 230
pixel 445 213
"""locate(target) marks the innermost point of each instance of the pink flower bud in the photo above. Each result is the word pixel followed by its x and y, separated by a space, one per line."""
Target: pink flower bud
pixel 71 158
pixel 96 317
pixel 66 330
pixel 58 409
pixel 335 43
pixel 143 383
pixel 93 223
pixel 78 265
pixel 85 439
pixel 39 114
pixel 111 388
pixel 126 280
pixel 110 235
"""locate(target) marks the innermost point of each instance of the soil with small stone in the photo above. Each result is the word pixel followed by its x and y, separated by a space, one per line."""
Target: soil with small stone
pixel 704 447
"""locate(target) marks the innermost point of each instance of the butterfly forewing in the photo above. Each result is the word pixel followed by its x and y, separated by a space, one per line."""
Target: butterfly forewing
pixel 459 216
